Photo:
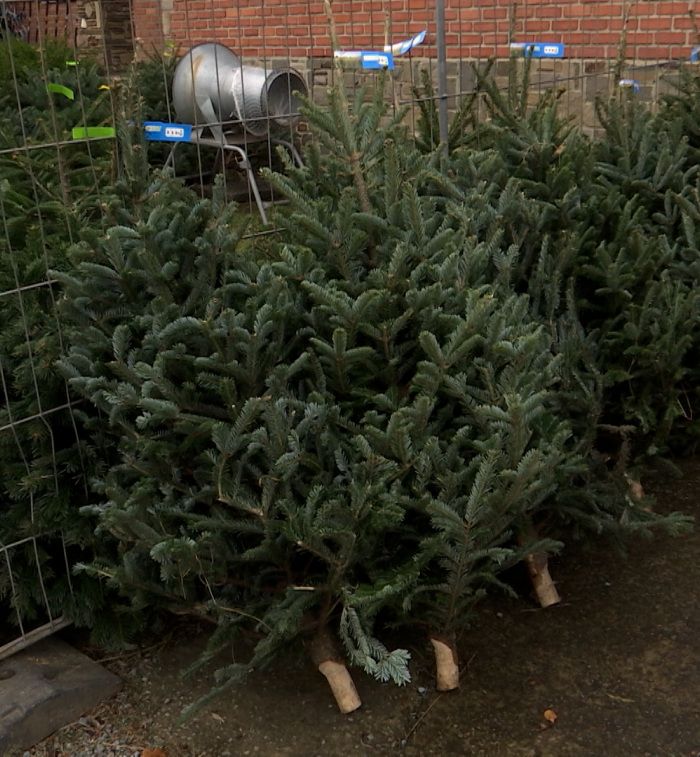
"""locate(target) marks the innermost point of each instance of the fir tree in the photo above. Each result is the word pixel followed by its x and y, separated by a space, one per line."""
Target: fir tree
pixel 404 399
pixel 681 105
pixel 571 217
pixel 46 193
pixel 233 478
pixel 425 284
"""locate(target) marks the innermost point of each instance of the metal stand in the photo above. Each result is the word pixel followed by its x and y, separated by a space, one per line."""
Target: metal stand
pixel 237 143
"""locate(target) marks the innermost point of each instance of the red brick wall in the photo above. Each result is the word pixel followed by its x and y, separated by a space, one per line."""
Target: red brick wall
pixel 656 29
pixel 47 20
pixel 148 25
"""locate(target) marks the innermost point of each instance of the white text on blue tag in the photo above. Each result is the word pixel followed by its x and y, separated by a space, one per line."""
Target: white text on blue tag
pixel 539 49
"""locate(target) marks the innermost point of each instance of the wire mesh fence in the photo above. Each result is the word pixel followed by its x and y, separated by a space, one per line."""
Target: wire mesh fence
pixel 32 21
pixel 223 111
pixel 654 36
pixel 40 458
pixel 587 50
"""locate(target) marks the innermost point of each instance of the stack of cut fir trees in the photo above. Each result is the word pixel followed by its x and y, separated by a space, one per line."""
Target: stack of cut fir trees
pixel 449 363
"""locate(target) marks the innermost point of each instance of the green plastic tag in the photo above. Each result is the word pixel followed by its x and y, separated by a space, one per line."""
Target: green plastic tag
pixel 72 63
pixel 93 132
pixel 59 89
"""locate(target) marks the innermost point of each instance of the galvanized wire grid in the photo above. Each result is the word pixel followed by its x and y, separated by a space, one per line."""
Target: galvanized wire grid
pixel 36 550
pixel 29 21
pixel 202 22
pixel 369 25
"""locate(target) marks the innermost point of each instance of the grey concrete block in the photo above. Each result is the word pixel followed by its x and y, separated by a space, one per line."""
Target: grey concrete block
pixel 45 687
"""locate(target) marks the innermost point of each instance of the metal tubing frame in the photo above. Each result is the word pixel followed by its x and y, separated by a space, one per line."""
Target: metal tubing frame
pixel 229 144
pixel 31 637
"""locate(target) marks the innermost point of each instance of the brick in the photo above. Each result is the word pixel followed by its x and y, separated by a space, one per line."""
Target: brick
pixel 264 27
pixel 640 38
pixel 565 25
pixel 683 22
pixel 675 8
pixel 594 24
pixel 535 26
pixel 656 24
pixel 669 38
pixel 496 12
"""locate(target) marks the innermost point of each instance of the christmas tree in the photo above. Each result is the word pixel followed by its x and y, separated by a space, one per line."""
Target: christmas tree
pixel 367 423
pixel 593 231
pixel 46 194
pixel 268 427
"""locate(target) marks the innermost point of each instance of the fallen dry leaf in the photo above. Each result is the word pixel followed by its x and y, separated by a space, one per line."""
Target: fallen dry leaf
pixel 550 716
pixel 217 717
pixel 154 753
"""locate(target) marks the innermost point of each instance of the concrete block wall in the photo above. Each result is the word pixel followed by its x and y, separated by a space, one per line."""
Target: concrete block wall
pixel 580 82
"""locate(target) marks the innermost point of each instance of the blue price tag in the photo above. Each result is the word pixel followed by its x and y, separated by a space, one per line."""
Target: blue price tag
pixel 631 84
pixel 695 55
pixel 376 60
pixel 539 49
pixel 159 131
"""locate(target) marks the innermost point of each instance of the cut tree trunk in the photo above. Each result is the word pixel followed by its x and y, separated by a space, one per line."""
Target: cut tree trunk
pixel 636 489
pixel 325 655
pixel 538 568
pixel 542 584
pixel 446 663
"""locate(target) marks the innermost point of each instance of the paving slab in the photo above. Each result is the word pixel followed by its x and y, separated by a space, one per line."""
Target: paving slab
pixel 45 687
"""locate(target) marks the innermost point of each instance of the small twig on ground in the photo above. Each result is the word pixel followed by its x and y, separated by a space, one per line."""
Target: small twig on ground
pixel 617 698
pixel 137 651
pixel 467 663
pixel 412 729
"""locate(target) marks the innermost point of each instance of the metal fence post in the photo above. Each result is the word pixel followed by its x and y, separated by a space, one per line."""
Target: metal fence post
pixel 442 72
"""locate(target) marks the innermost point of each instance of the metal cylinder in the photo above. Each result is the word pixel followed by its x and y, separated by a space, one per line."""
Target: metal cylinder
pixel 205 74
pixel 211 85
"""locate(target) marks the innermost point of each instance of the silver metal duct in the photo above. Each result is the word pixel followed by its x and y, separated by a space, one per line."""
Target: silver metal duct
pixel 211 85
